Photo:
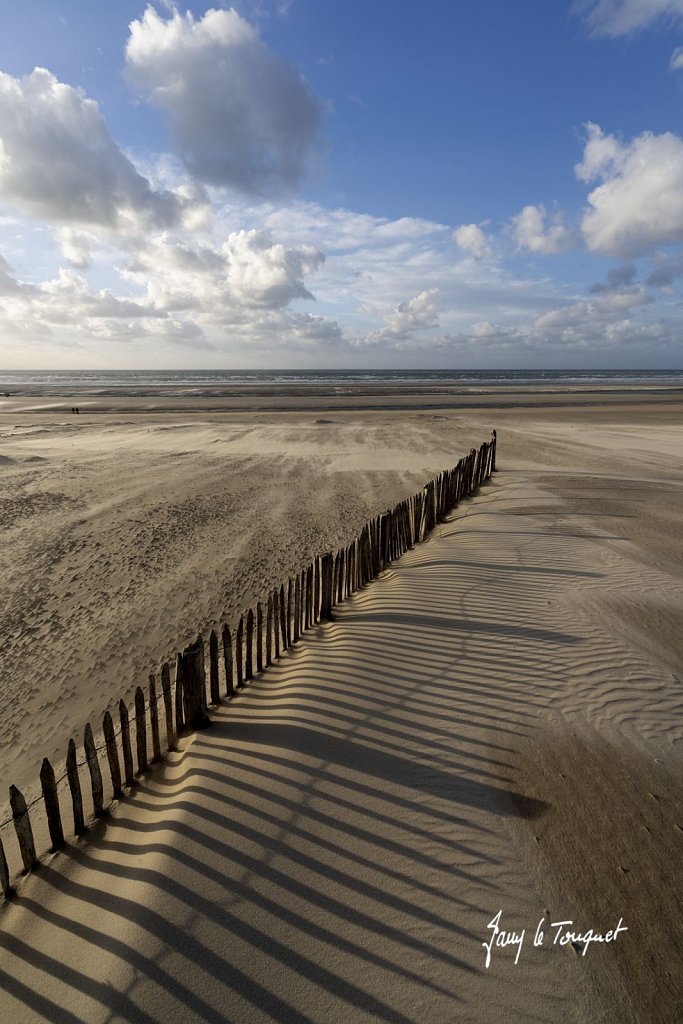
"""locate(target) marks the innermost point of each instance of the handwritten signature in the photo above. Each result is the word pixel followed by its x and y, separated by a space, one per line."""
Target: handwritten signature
pixel 561 936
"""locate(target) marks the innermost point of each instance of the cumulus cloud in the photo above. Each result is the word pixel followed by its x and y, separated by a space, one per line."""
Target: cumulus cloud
pixel 263 273
pixel 639 203
pixel 530 231
pixel 617 277
pixel 665 270
pixel 59 162
pixel 591 321
pixel 472 239
pixel 621 17
pixel 239 116
pixel 248 272
pixel 416 314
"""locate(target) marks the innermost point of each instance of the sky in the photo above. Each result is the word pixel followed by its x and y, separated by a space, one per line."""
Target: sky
pixel 330 183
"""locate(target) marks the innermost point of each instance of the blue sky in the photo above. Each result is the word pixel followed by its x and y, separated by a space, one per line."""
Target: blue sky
pixel 328 183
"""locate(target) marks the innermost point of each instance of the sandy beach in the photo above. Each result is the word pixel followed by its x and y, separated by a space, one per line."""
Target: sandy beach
pixel 494 725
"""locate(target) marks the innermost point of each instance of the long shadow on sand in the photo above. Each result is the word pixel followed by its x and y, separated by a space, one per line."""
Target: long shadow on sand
pixel 329 848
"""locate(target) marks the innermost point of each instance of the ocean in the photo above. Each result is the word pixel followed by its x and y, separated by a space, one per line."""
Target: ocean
pixel 42 381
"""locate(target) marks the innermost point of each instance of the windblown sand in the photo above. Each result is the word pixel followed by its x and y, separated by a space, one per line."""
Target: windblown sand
pixel 493 725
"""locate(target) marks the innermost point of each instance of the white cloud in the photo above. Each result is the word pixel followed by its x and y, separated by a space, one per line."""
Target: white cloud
pixel 472 239
pixel 263 273
pixel 602 155
pixel 76 246
pixel 409 317
pixel 529 230
pixel 248 272
pixel 58 161
pixel 639 203
pixel 676 62
pixel 602 323
pixel 617 277
pixel 239 116
pixel 665 270
pixel 621 17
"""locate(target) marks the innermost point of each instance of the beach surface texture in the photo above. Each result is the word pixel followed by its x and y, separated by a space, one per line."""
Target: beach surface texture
pixel 428 809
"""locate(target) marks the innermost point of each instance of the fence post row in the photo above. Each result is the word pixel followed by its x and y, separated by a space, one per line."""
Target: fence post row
pixel 309 598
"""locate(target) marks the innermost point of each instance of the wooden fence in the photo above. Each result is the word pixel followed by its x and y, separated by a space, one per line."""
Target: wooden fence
pixel 262 634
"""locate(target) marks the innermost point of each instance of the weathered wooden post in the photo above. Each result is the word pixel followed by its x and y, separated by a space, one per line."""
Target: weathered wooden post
pixel 249 666
pixel 290 594
pixel 5 883
pixel 276 619
pixel 313 584
pixel 494 438
pixel 140 730
pixel 154 720
pixel 54 817
pixel 213 668
pixel 297 609
pixel 239 652
pixel 303 599
pixel 75 788
pixel 259 637
pixel 269 632
pixel 94 769
pixel 194 686
pixel 283 617
pixel 128 771
pixel 179 699
pixel 22 826
pixel 308 588
pixel 335 576
pixel 326 586
pixel 227 661
pixel 168 706
pixel 112 755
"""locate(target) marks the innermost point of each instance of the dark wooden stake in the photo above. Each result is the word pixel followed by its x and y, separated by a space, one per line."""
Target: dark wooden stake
pixel 283 617
pixel 276 619
pixel 239 652
pixel 313 583
pixel 112 755
pixel 94 769
pixel 5 883
pixel 168 706
pixel 326 587
pixel 54 817
pixel 128 771
pixel 297 608
pixel 194 686
pixel 154 720
pixel 179 699
pixel 290 594
pixel 269 632
pixel 22 826
pixel 75 787
pixel 249 665
pixel 213 668
pixel 259 637
pixel 140 730
pixel 227 661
